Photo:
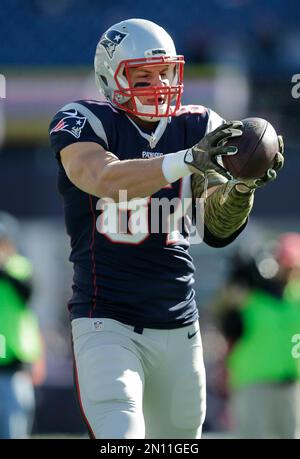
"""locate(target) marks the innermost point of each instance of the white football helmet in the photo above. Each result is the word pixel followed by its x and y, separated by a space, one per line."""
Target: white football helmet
pixel 134 43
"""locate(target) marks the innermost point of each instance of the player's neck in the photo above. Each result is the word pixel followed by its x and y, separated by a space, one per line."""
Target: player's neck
pixel 148 126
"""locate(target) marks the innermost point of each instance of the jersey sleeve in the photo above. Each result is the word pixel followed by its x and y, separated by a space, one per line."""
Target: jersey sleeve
pixel 76 122
pixel 198 121
pixel 213 121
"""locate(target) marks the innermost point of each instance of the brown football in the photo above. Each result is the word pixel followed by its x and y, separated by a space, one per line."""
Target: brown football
pixel 257 146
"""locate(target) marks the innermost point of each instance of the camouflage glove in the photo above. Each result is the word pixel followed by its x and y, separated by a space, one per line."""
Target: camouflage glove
pixel 203 156
pixel 270 175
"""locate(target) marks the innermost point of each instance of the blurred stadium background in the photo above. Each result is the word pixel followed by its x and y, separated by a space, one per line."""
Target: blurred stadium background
pixel 240 54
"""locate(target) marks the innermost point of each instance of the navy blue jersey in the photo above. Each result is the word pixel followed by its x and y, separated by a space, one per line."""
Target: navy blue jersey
pixel 143 279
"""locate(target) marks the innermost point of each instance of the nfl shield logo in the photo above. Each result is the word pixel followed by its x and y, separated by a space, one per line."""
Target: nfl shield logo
pixel 97 324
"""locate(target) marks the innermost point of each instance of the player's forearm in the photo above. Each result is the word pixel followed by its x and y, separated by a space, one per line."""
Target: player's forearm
pixel 101 173
pixel 225 217
pixel 142 177
pixel 139 177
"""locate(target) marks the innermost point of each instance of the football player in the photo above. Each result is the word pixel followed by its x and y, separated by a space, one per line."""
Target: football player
pixel 137 345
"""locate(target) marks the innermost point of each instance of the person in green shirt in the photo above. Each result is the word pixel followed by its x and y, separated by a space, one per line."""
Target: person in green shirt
pixel 20 342
pixel 259 314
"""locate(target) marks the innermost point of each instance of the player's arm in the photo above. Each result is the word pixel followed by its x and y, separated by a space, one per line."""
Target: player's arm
pixel 99 172
pixel 225 214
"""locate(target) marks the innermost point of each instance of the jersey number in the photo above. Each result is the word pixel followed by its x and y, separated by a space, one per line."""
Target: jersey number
pixel 128 223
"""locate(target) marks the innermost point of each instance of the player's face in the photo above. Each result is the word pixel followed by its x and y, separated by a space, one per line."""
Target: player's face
pixel 150 76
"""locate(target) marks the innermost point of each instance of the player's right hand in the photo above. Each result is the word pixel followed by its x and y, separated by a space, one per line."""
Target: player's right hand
pixel 202 157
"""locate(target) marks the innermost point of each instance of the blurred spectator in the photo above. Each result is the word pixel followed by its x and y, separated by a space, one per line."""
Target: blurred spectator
pixel 259 313
pixel 21 344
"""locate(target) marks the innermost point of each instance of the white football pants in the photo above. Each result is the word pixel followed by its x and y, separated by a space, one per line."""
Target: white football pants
pixel 139 385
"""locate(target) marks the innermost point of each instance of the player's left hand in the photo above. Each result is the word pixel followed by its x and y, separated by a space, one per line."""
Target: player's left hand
pixel 270 175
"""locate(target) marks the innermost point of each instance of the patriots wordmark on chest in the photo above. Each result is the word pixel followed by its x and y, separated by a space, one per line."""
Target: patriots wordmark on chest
pixel 151 154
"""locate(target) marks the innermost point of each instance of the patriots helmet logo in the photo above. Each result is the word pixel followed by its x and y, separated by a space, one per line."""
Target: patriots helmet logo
pixel 111 40
pixel 71 123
